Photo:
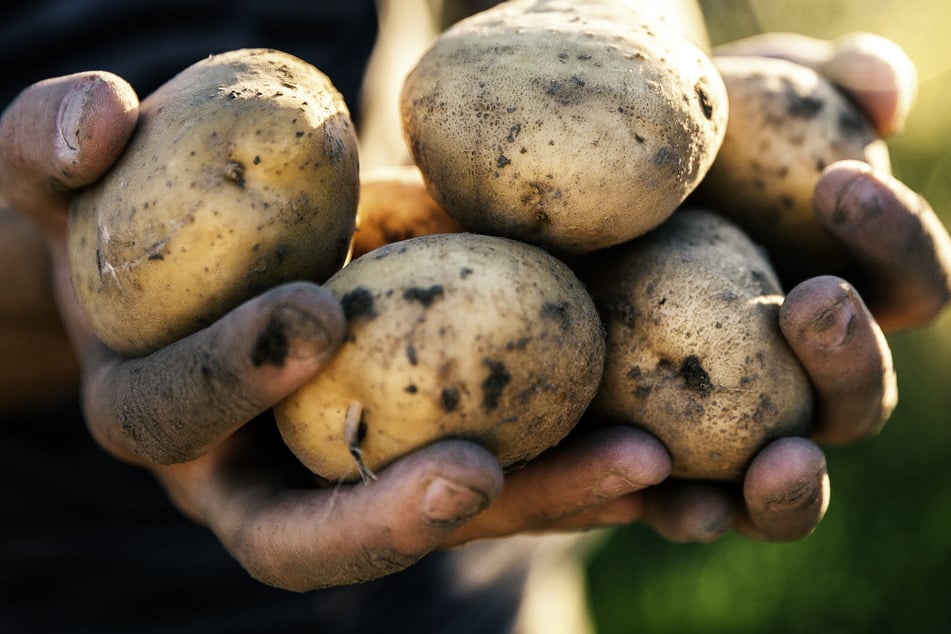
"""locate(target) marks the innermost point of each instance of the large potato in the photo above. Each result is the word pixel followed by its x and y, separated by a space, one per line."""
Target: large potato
pixel 458 334
pixel 694 353
pixel 242 174
pixel 786 125
pixel 570 125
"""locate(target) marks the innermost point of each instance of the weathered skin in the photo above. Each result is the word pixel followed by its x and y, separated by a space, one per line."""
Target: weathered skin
pixel 242 174
pixel 787 124
pixel 459 335
pixel 694 353
pixel 570 125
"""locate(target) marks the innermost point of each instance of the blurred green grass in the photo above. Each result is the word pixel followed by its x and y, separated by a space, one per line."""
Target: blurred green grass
pixel 880 559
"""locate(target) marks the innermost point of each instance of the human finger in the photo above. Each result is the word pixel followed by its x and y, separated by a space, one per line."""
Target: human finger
pixel 176 403
pixel 876 72
pixel 304 538
pixel 61 134
pixel 903 249
pixel 690 510
pixel 878 75
pixel 785 490
pixel 572 481
pixel 784 495
pixel 845 355
pixel 800 49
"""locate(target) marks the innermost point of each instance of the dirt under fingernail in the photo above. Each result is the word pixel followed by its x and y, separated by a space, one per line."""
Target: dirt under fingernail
pixel 446 502
pixel 834 325
pixel 290 333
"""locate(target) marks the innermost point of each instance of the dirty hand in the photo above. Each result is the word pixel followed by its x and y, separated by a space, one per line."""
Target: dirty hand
pixel 196 412
pixel 605 477
pixel 903 256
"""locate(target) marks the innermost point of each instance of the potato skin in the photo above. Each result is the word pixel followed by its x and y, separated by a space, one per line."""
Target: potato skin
pixel 536 120
pixel 395 205
pixel 694 353
pixel 242 174
pixel 450 335
pixel 786 124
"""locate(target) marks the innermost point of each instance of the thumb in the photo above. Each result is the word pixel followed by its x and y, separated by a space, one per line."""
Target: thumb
pixel 60 134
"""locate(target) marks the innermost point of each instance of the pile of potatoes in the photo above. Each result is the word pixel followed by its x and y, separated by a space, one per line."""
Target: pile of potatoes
pixel 540 261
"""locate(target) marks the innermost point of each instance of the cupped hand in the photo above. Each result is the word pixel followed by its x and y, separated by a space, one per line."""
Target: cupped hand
pixel 618 475
pixel 185 412
pixel 902 256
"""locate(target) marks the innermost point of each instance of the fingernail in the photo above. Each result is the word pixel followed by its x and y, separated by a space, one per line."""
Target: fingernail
pixel 848 194
pixel 713 517
pixel 446 502
pixel 70 117
pixel 832 190
pixel 803 496
pixel 833 326
pixel 307 333
pixel 290 333
pixel 715 528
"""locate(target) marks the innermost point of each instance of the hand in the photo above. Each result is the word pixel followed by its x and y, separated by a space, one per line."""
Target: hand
pixel 184 412
pixel 619 475
pixel 901 250
pixel 903 257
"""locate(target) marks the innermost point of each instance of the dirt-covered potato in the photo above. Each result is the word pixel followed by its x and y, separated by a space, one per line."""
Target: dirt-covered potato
pixel 694 352
pixel 786 124
pixel 395 205
pixel 450 335
pixel 565 124
pixel 241 174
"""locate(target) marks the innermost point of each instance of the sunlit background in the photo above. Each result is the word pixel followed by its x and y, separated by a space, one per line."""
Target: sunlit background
pixel 879 561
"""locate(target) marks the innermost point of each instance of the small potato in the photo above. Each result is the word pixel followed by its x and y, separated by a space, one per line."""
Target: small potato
pixel 694 353
pixel 570 125
pixel 786 125
pixel 449 335
pixel 242 174
pixel 394 205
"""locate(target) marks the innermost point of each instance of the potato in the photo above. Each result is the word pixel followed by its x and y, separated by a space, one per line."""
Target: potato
pixel 241 174
pixel 786 125
pixel 573 126
pixel 449 335
pixel 394 205
pixel 694 353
